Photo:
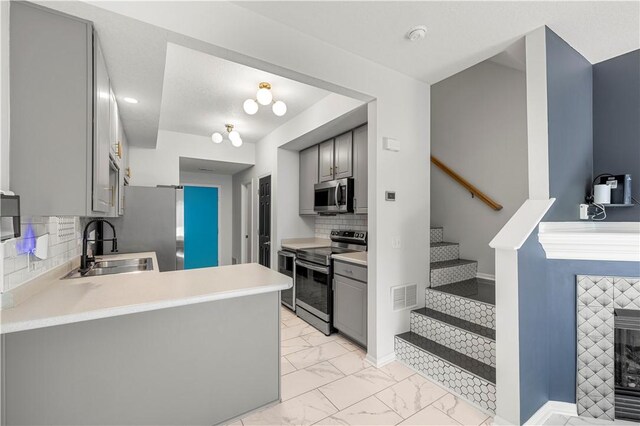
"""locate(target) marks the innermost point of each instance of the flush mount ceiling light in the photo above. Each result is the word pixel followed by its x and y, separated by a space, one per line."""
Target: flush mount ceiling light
pixel 417 33
pixel 130 100
pixel 264 97
pixel 233 136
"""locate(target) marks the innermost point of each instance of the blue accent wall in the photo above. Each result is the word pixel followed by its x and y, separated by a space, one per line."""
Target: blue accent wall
pixel 534 311
pixel 570 120
pixel 593 119
pixel 200 227
pixel 616 125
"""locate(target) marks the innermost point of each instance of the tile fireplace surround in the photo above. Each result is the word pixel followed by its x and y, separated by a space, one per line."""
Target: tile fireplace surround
pixel 597 298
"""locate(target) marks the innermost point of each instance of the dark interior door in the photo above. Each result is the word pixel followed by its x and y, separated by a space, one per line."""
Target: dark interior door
pixel 264 219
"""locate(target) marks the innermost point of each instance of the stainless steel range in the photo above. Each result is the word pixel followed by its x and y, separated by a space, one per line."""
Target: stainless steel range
pixel 314 273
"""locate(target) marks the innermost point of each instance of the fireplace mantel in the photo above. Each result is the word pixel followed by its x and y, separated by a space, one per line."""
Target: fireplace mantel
pixel 591 240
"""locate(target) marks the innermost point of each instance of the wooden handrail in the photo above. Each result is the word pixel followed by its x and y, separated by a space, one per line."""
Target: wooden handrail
pixel 462 181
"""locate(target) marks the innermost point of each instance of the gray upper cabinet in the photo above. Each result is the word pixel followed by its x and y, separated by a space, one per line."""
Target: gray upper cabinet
pixel 59 161
pixel 326 161
pixel 350 301
pixel 308 178
pixel 360 170
pixel 50 111
pixel 103 133
pixel 343 156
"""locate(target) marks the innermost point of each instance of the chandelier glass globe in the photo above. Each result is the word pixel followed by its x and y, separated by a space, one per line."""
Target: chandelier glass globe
pixel 279 108
pixel 216 137
pixel 250 106
pixel 264 96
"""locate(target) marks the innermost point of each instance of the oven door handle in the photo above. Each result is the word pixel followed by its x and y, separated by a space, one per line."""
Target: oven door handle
pixel 323 269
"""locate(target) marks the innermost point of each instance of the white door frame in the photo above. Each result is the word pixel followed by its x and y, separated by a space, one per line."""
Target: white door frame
pixel 246 209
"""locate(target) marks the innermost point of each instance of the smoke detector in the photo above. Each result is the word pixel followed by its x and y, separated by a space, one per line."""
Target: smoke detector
pixel 417 33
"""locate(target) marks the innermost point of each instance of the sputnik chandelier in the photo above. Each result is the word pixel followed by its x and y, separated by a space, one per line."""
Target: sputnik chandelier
pixel 264 97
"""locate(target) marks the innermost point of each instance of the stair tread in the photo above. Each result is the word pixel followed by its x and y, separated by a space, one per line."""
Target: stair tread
pixel 487 332
pixel 462 361
pixel 475 288
pixel 451 263
pixel 443 244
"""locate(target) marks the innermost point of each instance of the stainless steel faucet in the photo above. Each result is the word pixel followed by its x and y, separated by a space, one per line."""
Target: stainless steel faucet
pixel 85 260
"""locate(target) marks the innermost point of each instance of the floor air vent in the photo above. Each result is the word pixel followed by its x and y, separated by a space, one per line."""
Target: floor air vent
pixel 404 297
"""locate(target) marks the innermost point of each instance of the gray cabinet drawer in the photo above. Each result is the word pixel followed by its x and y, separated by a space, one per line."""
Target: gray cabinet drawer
pixel 350 270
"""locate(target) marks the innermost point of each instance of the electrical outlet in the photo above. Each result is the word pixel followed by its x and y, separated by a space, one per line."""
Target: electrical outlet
pixel 396 243
pixel 584 211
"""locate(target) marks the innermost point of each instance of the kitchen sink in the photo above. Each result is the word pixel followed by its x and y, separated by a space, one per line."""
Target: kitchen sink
pixel 113 267
pixel 144 262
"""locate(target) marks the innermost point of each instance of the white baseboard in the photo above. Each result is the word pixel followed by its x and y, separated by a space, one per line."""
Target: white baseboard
pixel 552 407
pixel 382 361
pixel 489 277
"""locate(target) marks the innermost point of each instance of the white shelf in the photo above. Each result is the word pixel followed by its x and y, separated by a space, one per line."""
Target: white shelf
pixel 591 240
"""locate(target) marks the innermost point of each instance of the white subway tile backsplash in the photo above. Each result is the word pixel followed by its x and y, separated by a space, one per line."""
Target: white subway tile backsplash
pixel 64 245
pixel 324 224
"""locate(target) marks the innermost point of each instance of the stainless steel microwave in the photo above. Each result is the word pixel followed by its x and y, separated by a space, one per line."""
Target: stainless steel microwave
pixel 332 197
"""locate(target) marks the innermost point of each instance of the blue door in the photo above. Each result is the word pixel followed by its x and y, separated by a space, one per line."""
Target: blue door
pixel 200 227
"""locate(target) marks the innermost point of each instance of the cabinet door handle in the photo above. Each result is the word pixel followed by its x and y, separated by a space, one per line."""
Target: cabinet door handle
pixel 112 191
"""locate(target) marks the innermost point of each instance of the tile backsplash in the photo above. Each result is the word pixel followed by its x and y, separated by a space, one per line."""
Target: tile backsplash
pixel 64 244
pixel 324 224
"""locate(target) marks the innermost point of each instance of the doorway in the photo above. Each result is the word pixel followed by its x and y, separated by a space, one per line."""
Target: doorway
pixel 200 227
pixel 264 221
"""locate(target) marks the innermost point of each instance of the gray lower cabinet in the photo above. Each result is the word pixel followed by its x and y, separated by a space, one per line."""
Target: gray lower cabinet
pixel 343 156
pixel 350 301
pixel 325 161
pixel 360 170
pixel 308 178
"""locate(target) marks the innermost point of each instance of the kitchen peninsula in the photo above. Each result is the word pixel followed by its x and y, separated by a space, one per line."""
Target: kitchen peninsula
pixel 179 347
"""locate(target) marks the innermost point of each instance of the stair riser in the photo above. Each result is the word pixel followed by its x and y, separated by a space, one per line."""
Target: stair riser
pixel 436 235
pixel 460 307
pixel 442 276
pixel 470 344
pixel 442 253
pixel 471 387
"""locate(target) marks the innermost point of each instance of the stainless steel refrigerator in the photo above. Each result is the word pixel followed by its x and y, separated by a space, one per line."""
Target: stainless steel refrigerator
pixel 153 220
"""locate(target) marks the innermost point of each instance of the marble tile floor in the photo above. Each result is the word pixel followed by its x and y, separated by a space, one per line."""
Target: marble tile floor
pixel 562 420
pixel 326 381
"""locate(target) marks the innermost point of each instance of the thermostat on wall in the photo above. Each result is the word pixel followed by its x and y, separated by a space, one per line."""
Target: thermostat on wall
pixel 390 195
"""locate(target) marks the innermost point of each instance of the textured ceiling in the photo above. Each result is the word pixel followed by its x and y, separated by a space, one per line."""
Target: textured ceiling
pixel 202 92
pixel 459 33
pixel 199 165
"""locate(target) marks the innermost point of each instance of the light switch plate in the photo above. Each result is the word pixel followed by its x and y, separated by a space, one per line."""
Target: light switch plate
pixel 390 144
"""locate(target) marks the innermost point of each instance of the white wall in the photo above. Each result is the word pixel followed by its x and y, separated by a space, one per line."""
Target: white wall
pixel 479 129
pixel 161 166
pixel 225 210
pixel 401 110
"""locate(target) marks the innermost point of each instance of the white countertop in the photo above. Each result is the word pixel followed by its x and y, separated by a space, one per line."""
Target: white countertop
pixel 358 257
pixel 67 301
pixel 305 243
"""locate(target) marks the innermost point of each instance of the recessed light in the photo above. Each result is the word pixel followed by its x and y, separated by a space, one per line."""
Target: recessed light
pixel 417 33
pixel 130 100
